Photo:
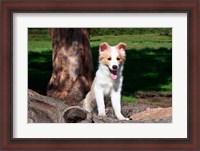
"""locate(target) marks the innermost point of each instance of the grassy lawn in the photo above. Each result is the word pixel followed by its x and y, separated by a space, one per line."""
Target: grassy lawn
pixel 148 65
pixel 135 41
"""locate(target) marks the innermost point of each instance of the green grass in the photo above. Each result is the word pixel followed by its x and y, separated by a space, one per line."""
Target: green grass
pixel 42 42
pixel 39 42
pixel 135 41
pixel 148 66
pixel 39 46
pixel 130 99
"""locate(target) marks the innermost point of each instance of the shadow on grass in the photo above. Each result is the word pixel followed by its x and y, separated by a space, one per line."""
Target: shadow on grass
pixel 95 40
pixel 148 70
pixel 39 70
pixel 145 70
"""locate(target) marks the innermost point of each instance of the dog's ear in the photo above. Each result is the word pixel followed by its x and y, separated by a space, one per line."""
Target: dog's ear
pixel 121 46
pixel 103 46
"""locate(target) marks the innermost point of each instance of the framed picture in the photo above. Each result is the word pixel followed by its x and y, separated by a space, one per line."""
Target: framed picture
pixel 176 22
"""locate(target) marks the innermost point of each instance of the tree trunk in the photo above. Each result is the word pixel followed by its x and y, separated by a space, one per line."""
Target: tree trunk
pixel 72 65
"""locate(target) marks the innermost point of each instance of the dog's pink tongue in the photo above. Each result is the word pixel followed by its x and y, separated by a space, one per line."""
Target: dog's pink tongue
pixel 113 76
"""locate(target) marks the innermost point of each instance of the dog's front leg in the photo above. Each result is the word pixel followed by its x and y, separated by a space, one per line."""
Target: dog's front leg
pixel 116 104
pixel 99 97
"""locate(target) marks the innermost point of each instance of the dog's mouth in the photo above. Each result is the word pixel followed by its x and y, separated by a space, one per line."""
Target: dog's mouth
pixel 113 74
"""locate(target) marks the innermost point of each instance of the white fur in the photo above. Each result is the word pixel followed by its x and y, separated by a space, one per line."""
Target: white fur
pixel 105 87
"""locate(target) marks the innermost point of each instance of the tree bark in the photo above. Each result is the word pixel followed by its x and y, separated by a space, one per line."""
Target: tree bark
pixel 43 109
pixel 72 65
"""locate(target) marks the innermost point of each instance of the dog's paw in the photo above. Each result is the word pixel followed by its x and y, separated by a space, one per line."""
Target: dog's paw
pixel 102 114
pixel 123 118
pixel 127 119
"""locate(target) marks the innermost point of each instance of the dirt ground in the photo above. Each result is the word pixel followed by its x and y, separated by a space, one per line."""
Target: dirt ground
pixel 153 106
pixel 150 107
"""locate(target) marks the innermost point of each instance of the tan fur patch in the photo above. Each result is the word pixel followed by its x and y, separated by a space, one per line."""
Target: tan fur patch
pixel 89 103
pixel 103 58
pixel 122 57
pixel 105 54
pixel 122 54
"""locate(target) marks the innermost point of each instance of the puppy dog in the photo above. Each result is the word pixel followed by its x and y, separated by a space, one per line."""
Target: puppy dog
pixel 108 81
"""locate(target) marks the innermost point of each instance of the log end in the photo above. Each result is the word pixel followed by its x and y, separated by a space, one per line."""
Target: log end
pixel 74 115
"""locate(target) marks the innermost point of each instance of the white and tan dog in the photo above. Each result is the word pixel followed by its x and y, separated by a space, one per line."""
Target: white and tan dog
pixel 108 81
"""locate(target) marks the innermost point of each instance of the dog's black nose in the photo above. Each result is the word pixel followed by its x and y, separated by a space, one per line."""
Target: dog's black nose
pixel 114 67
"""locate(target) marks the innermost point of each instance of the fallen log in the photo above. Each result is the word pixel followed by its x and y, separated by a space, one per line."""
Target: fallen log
pixel 44 109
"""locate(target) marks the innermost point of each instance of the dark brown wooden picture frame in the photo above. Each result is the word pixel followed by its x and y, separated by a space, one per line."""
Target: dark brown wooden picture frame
pixel 8 7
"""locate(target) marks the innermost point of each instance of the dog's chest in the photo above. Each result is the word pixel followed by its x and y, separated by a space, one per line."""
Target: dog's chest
pixel 106 83
pixel 107 89
pixel 107 86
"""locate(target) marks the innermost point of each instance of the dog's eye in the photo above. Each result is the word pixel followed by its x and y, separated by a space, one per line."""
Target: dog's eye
pixel 109 58
pixel 118 58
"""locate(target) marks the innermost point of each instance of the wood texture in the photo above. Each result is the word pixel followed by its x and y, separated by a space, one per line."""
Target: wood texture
pixel 44 109
pixel 72 64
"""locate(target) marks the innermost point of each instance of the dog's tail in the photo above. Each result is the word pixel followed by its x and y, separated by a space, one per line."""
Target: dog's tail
pixel 88 103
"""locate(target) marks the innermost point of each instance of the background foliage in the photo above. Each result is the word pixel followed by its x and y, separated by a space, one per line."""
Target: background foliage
pixel 148 65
